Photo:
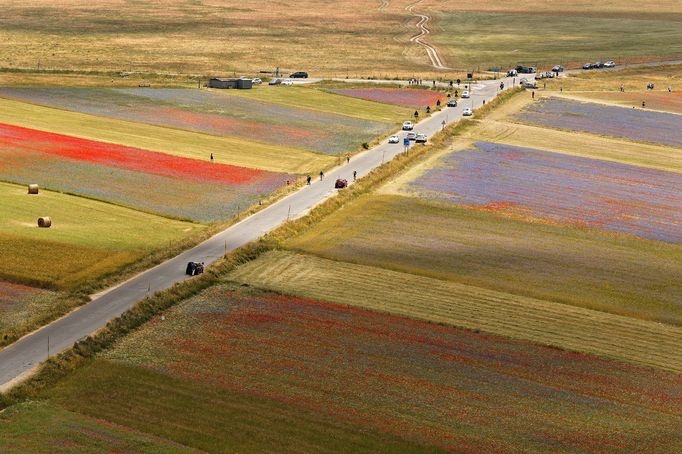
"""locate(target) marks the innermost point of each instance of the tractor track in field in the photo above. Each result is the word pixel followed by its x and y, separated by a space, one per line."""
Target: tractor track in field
pixel 422 25
pixel 384 4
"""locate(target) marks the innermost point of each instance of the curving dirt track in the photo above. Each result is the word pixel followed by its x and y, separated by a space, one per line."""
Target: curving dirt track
pixel 433 54
pixel 384 4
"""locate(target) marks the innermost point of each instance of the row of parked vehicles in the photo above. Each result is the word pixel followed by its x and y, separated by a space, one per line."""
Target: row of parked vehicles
pixel 597 65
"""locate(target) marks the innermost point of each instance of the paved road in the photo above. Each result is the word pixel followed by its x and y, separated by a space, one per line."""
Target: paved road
pixel 20 358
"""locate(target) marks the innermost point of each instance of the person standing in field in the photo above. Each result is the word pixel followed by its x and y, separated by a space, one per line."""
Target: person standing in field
pixel 211 157
pixel 532 94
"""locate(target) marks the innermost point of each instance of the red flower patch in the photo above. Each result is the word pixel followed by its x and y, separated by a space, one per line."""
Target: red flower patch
pixel 130 158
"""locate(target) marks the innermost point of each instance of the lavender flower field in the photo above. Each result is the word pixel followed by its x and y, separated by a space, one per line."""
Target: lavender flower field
pixel 635 124
pixel 213 113
pixel 560 188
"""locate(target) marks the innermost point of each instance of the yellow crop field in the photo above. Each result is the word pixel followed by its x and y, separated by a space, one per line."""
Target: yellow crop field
pixel 583 330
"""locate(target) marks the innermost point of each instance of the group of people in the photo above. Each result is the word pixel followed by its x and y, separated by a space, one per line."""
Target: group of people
pixel 309 179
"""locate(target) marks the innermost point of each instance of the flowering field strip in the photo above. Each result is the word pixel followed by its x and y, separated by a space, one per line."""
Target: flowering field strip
pixel 187 144
pixel 635 124
pixel 179 198
pixel 431 384
pixel 15 139
pixel 581 144
pixel 213 113
pixel 20 303
pixel 529 319
pixel 406 97
pixel 560 188
pixel 87 239
pixel 44 427
pixel 655 100
pixel 562 265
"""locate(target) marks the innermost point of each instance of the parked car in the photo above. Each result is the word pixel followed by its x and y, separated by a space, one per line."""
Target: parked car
pixel 599 65
pixel 421 138
pixel 465 94
pixel 467 112
pixel 341 183
pixel 408 126
pixel 549 75
pixel 275 81
pixel 299 75
pixel 533 85
pixel 287 82
pixel 512 73
pixel 452 103
pixel 558 69
pixel 394 139
pixel 256 81
pixel 587 66
pixel 411 135
pixel 539 76
pixel 609 64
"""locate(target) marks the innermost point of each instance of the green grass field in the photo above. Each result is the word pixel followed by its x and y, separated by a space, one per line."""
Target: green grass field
pixel 228 150
pixel 315 99
pixel 483 39
pixel 617 274
pixel 87 238
pixel 44 427
pixel 520 317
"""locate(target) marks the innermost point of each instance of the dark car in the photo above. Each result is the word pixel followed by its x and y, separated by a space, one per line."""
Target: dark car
pixel 299 75
pixel 588 66
pixel 452 103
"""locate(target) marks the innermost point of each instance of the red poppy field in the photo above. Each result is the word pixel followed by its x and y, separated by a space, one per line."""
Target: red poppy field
pixel 151 181
pixel 406 97
pixel 370 373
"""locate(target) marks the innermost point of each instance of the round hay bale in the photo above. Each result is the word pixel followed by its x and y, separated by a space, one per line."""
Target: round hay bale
pixel 45 222
pixel 33 189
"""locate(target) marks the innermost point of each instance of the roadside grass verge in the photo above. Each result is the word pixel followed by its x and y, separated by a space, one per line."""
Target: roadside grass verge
pixel 226 150
pixel 547 323
pixel 563 264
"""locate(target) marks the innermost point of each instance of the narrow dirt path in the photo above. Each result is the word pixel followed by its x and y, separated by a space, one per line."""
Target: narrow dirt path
pixel 433 54
pixel 384 4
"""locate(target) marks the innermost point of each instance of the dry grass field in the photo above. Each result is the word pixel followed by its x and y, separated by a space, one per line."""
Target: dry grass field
pixel 332 38
pixel 572 328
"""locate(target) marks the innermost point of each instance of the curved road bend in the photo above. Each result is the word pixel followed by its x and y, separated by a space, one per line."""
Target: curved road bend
pixel 19 359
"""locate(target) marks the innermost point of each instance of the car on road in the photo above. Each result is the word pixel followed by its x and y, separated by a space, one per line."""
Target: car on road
pixel 299 75
pixel 609 64
pixel 411 135
pixel 558 69
pixel 529 85
pixel 539 76
pixel 465 94
pixel 408 126
pixel 256 81
pixel 421 138
pixel 275 81
pixel 467 112
pixel 394 139
pixel 287 82
pixel 599 65
pixel 512 73
pixel 588 66
pixel 452 103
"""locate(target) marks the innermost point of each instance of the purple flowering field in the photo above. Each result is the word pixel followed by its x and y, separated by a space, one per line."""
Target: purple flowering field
pixel 635 124
pixel 560 188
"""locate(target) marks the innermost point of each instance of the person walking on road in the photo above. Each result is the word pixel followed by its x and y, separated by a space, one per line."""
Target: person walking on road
pixel 355 175
pixel 532 94
pixel 321 175
pixel 308 179
pixel 347 159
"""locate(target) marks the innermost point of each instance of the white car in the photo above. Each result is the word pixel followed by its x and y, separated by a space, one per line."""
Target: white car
pixel 411 135
pixel 465 94
pixel 287 82
pixel 275 81
pixel 394 139
pixel 421 138
pixel 609 64
pixel 408 126
pixel 467 112
pixel 256 81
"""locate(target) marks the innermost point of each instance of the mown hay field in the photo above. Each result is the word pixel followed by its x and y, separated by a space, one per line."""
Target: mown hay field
pixel 566 265
pixel 188 144
pixel 547 323
pixel 660 99
pixel 559 189
pixel 87 238
pixel 369 381
pixel 330 125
